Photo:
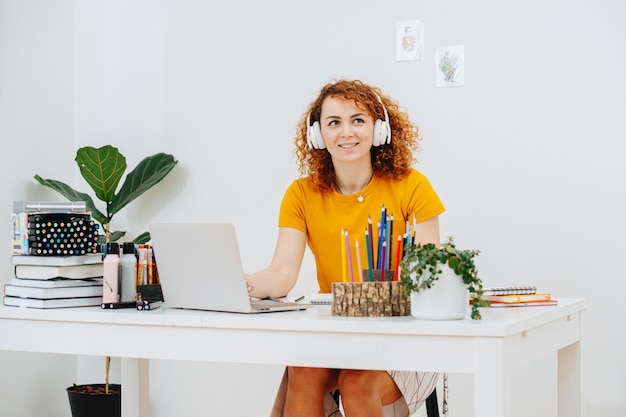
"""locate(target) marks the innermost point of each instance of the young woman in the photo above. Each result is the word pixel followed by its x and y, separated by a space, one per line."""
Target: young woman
pixel 355 150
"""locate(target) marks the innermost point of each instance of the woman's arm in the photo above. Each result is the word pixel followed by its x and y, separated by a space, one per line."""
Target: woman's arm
pixel 281 275
pixel 428 231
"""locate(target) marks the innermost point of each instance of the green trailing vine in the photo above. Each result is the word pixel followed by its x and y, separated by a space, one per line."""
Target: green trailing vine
pixel 421 268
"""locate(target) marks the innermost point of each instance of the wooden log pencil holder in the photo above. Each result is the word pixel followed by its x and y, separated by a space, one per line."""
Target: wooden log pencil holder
pixel 374 298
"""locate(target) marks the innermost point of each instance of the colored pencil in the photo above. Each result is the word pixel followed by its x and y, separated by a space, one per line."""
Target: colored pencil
pixel 370 263
pixel 398 258
pixel 349 256
pixel 382 265
pixel 381 234
pixel 380 246
pixel 344 269
pixel 389 237
pixel 371 240
pixel 358 260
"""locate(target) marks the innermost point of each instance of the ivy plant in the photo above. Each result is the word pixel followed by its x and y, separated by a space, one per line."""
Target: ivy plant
pixel 421 268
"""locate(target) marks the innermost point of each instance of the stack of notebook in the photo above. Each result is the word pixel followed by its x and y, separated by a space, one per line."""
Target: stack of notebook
pixel 55 281
pixel 524 296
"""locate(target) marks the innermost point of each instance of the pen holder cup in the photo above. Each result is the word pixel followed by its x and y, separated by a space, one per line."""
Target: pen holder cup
pixel 365 275
pixel 369 299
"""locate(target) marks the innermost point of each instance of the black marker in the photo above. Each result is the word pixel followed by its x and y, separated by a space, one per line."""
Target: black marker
pixel 126 304
pixel 148 305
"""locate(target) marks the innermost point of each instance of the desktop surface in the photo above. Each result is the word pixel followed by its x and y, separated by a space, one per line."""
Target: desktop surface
pixel 490 349
pixel 495 322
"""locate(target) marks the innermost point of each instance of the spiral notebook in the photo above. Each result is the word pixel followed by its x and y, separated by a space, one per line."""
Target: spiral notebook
pixel 200 268
pixel 513 290
pixel 321 299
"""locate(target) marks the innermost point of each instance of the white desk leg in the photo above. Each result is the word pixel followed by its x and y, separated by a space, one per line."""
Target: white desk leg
pixel 135 387
pixel 570 398
pixel 492 379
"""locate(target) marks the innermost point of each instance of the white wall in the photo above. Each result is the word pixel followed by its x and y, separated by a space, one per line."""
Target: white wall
pixel 36 135
pixel 526 156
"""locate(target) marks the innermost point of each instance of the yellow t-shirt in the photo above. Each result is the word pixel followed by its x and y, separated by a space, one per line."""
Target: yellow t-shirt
pixel 322 217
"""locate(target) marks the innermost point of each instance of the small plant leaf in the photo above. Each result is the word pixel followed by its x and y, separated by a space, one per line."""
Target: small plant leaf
pixel 453 263
pixel 150 171
pixel 102 168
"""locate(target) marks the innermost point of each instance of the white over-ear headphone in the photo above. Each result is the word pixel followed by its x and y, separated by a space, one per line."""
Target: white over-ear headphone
pixel 382 131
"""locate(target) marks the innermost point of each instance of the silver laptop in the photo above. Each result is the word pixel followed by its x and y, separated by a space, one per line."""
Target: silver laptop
pixel 200 268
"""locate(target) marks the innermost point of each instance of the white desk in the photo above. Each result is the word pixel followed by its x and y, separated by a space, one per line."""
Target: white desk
pixel 489 349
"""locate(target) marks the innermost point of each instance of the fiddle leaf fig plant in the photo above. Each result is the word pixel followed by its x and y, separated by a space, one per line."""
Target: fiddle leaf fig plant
pixel 103 169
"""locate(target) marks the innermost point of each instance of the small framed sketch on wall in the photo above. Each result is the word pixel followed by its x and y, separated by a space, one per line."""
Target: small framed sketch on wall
pixel 450 66
pixel 410 40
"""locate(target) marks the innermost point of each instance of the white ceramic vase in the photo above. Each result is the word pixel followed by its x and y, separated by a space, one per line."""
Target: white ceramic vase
pixel 447 299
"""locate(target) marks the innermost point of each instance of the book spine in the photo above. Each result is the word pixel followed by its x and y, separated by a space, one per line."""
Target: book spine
pixel 19 243
pixel 55 261
pixel 518 298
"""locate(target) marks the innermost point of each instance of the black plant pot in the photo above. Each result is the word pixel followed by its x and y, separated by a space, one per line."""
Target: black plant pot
pixel 90 400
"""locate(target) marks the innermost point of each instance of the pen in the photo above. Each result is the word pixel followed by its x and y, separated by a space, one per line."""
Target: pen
pixel 299 298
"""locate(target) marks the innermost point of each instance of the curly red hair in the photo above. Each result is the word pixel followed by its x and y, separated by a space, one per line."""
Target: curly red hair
pixel 392 160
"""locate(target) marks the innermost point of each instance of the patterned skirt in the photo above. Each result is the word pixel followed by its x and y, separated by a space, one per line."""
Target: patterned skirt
pixel 415 388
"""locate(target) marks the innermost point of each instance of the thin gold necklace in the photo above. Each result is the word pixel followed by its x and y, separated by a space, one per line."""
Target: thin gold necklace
pixel 359 195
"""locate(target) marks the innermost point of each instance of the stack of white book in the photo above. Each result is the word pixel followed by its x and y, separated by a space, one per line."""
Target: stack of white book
pixel 55 281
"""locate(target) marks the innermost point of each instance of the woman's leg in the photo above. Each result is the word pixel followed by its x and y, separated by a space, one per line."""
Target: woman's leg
pixel 306 389
pixel 364 393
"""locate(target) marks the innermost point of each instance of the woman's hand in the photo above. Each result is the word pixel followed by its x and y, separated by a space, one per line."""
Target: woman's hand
pixel 280 277
pixel 249 284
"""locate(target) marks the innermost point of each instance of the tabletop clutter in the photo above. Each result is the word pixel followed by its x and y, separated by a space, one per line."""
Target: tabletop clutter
pixel 61 261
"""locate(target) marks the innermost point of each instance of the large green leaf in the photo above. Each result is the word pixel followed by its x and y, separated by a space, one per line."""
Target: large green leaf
pixel 150 171
pixel 117 235
pixel 73 195
pixel 102 168
pixel 142 238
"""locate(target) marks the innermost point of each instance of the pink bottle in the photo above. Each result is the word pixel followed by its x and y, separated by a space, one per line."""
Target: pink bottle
pixel 112 274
